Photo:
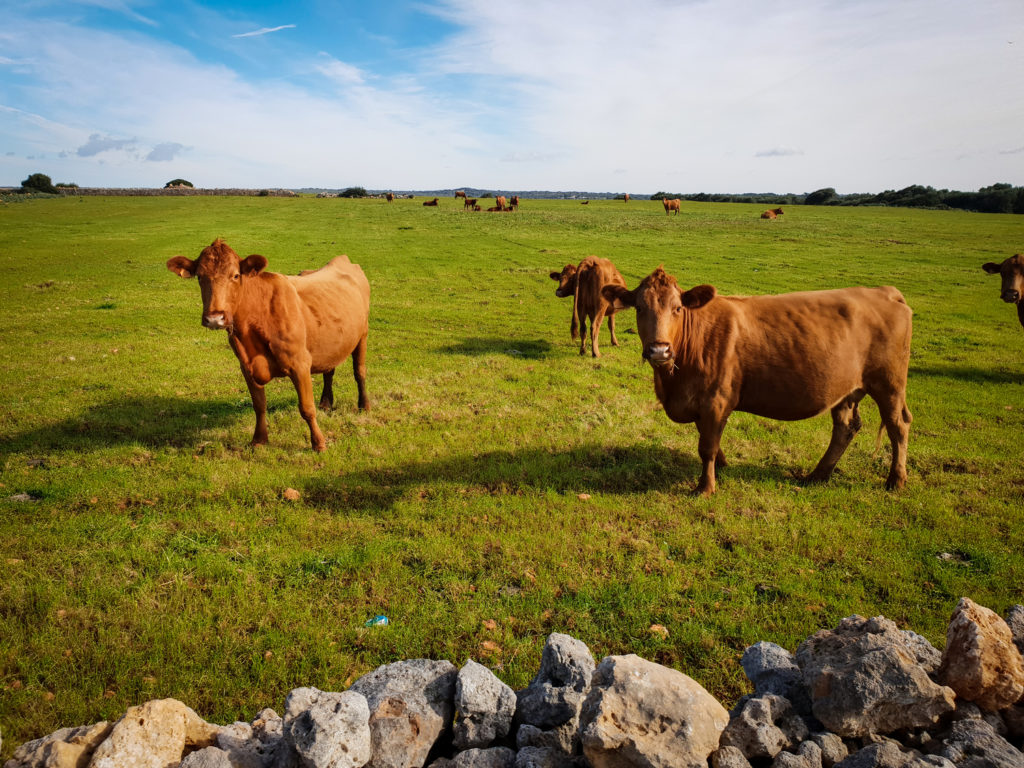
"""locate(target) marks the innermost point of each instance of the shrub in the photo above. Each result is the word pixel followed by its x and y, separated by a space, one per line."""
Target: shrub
pixel 178 183
pixel 354 192
pixel 39 182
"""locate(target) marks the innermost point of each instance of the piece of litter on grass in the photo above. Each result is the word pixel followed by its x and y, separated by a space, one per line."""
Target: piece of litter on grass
pixel 379 620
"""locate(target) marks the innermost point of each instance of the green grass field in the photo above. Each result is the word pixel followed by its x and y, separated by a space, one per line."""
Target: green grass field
pixel 500 477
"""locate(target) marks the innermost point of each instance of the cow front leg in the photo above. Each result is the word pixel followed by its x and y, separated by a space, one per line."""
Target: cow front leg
pixel 327 398
pixel 258 395
pixel 709 450
pixel 303 382
pixel 845 425
pixel 595 329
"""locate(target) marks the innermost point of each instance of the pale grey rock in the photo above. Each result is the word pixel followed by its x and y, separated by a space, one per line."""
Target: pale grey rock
pixel 1015 621
pixel 484 707
pixel 981 662
pixel 773 669
pixel 884 755
pixel 556 693
pixel 207 757
pixel 65 748
pixel 864 677
pixel 540 757
pixel 753 728
pixel 729 757
pixel 926 654
pixel 975 744
pixel 563 738
pixel 833 750
pixel 642 714
pixel 806 755
pixel 328 730
pixel 495 757
pixel 411 706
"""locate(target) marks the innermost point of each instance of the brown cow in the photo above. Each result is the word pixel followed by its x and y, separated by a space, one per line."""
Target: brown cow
pixel 501 202
pixel 460 193
pixel 495 209
pixel 279 325
pixel 476 208
pixel 469 202
pixel 625 198
pixel 390 197
pixel 671 205
pixel 771 213
pixel 785 357
pixel 585 202
pixel 1012 291
pixel 431 202
pixel 584 283
pixel 514 202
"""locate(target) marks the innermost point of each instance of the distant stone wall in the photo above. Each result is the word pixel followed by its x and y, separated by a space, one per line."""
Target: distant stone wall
pixel 176 192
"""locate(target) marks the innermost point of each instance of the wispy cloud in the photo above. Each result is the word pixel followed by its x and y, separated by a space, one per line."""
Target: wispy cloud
pixel 165 152
pixel 1016 151
pixel 338 71
pixel 98 144
pixel 265 31
pixel 778 153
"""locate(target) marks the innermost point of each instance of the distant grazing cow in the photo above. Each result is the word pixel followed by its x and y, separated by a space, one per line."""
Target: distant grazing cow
pixel 1012 291
pixel 460 193
pixel 390 197
pixel 501 202
pixel 772 213
pixel 468 203
pixel 514 201
pixel 785 357
pixel 584 283
pixel 585 202
pixel 671 205
pixel 625 198
pixel 279 325
pixel 431 202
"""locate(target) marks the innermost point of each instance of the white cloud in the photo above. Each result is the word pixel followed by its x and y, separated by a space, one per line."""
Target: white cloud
pixel 164 153
pixel 338 71
pixel 98 144
pixel 265 31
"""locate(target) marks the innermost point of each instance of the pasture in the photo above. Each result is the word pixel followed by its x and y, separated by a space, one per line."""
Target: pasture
pixel 502 487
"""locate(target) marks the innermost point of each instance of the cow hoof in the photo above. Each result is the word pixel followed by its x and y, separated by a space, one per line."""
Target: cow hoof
pixel 895 483
pixel 816 478
pixel 320 447
pixel 258 443
pixel 326 406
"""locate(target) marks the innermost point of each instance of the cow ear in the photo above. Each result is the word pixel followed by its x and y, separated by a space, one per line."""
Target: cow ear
pixel 991 267
pixel 182 266
pixel 253 265
pixel 697 297
pixel 619 296
pixel 555 275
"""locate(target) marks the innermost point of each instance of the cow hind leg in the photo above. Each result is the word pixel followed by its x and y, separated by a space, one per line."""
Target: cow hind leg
pixel 327 398
pixel 583 335
pixel 359 372
pixel 611 328
pixel 896 418
pixel 595 330
pixel 845 424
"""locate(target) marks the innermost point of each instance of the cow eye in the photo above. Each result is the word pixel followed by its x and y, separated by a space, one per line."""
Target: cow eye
pixel 678 309
pixel 235 277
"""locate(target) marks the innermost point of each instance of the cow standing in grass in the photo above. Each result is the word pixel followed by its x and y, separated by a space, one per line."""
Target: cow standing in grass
pixel 671 205
pixel 584 282
pixel 1012 290
pixel 280 325
pixel 784 357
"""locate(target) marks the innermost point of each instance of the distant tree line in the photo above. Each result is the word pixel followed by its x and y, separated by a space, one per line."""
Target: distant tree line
pixel 998 198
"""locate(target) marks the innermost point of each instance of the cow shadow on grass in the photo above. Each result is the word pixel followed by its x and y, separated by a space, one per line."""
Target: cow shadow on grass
pixel 629 469
pixel 151 421
pixel 527 349
pixel 967 373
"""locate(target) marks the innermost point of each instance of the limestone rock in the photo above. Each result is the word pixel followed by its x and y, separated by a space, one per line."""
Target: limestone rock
pixel 411 705
pixel 555 695
pixel 66 748
pixel 883 755
pixel 643 714
pixel 1015 621
pixel 563 738
pixel 207 757
pixel 496 757
pixel 484 707
pixel 729 757
pixel 806 755
pixel 540 757
pixel 981 662
pixel 833 750
pixel 773 669
pixel 328 730
pixel 864 676
pixel 154 735
pixel 752 728
pixel 974 744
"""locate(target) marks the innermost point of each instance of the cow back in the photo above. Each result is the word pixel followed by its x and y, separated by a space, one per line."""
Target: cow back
pixel 592 275
pixel 335 301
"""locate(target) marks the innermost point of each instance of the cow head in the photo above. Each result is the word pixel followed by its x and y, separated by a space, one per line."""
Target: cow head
pixel 220 274
pixel 662 308
pixel 1012 272
pixel 566 281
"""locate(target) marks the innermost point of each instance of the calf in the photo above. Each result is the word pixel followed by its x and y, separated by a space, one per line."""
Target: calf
pixel 469 202
pixel 1012 290
pixel 459 193
pixel 431 202
pixel 785 357
pixel 671 205
pixel 772 213
pixel 584 283
pixel 514 202
pixel 279 325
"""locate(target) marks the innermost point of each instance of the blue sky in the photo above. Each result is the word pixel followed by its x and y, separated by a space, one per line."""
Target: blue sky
pixel 598 95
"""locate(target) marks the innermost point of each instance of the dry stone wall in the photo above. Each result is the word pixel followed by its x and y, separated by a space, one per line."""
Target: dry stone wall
pixel 864 694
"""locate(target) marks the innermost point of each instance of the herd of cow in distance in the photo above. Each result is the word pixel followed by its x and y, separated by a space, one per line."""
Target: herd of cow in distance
pixel 788 356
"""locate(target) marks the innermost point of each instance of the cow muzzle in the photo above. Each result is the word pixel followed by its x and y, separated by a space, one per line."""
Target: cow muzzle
pixel 1011 296
pixel 658 353
pixel 218 321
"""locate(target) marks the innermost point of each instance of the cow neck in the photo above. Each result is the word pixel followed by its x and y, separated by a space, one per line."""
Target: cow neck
pixel 253 294
pixel 687 344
